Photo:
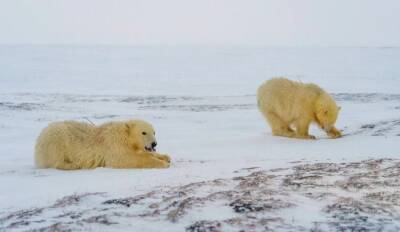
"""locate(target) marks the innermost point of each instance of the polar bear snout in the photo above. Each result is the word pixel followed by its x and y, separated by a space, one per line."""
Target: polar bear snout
pixel 152 147
pixel 154 144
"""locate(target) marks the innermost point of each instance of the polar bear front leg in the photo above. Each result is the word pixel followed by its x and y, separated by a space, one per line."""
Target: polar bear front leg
pixel 140 159
pixel 152 160
pixel 162 157
pixel 302 127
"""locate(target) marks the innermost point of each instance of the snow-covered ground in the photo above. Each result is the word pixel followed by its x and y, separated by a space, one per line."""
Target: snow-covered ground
pixel 228 173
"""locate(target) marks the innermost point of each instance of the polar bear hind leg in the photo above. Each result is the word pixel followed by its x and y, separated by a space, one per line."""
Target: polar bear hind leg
pixel 278 126
pixel 66 166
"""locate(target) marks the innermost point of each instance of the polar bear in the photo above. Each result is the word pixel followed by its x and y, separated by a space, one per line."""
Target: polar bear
pixel 289 107
pixel 76 145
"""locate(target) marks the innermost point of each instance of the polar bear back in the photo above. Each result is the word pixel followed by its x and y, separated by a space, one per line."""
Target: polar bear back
pixel 61 141
pixel 287 98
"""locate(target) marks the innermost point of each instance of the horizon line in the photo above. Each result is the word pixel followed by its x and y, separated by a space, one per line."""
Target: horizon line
pixel 197 45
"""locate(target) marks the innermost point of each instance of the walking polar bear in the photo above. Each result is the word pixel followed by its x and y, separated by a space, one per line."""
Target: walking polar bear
pixel 290 107
pixel 75 145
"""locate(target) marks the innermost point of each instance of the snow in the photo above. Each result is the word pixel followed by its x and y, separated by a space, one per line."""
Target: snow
pixel 202 103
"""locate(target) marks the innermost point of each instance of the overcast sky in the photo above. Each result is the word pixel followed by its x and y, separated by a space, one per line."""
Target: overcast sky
pixel 174 22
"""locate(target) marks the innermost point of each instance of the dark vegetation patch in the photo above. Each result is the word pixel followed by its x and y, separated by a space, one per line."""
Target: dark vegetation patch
pixel 354 196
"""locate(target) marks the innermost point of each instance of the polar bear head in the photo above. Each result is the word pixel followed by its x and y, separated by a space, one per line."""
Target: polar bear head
pixel 326 111
pixel 141 135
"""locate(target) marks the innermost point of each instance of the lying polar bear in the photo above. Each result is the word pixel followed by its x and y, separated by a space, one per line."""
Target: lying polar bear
pixel 75 145
pixel 289 107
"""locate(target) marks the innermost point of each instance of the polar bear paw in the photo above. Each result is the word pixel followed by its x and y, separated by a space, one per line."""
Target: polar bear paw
pixel 165 158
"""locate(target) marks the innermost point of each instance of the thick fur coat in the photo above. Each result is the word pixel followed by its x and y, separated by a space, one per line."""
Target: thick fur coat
pixel 75 145
pixel 290 107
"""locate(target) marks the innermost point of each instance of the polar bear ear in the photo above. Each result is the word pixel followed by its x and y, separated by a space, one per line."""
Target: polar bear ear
pixel 129 128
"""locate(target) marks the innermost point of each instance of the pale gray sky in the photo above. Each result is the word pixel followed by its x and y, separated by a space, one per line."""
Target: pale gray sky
pixel 231 22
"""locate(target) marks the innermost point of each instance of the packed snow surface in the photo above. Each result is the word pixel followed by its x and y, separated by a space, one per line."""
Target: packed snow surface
pixel 228 172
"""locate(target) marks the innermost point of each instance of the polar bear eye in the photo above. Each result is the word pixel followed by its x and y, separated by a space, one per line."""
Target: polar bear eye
pixel 144 133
